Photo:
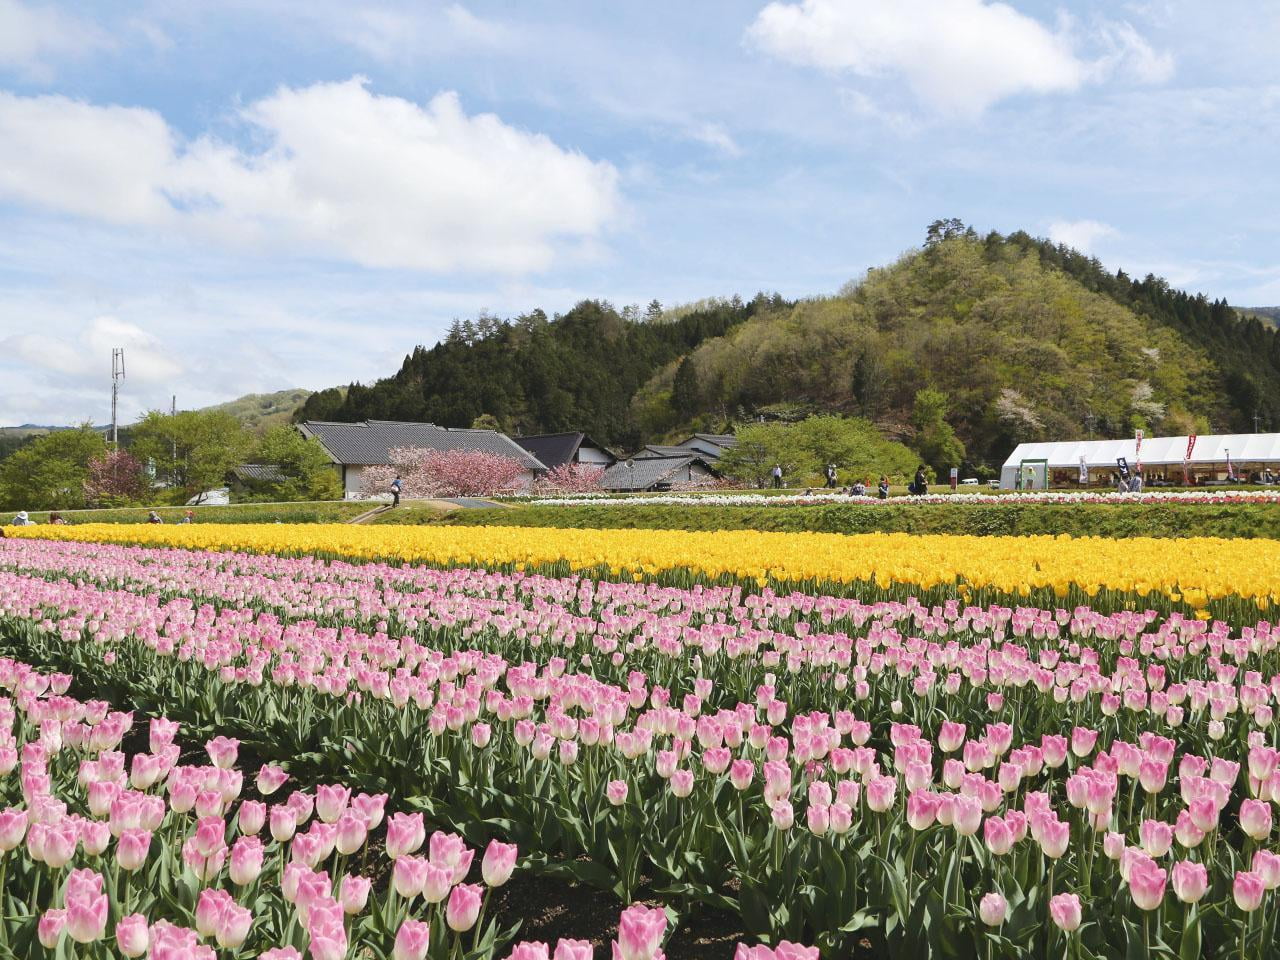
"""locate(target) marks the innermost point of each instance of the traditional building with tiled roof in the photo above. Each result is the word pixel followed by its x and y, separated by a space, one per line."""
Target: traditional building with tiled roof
pixel 354 446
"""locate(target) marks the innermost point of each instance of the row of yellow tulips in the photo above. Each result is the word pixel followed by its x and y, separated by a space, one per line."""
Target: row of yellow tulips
pixel 1193 570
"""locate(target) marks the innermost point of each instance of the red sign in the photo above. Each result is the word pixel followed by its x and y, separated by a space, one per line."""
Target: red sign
pixel 1191 445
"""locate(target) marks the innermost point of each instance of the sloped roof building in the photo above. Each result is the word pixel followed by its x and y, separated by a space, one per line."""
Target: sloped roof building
pixel 354 446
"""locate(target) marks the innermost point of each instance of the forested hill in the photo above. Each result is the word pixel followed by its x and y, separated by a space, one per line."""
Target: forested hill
pixel 537 374
pixel 1028 340
pixel 1024 339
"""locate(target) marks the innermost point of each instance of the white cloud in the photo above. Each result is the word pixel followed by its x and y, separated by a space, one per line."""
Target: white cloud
pixel 1080 234
pixel 1129 53
pixel 76 362
pixel 339 172
pixel 33 36
pixel 401 35
pixel 957 56
pixel 715 135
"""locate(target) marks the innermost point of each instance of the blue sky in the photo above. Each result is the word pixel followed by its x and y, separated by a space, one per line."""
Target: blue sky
pixel 250 196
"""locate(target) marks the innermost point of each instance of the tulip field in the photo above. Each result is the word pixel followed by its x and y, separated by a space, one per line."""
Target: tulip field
pixel 341 742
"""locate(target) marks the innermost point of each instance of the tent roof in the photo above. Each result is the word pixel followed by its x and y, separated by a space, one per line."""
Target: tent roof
pixel 1209 448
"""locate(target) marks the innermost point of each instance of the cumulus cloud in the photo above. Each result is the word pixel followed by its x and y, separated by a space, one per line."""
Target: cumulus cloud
pixel 88 351
pixel 1080 234
pixel 957 56
pixel 336 171
pixel 33 37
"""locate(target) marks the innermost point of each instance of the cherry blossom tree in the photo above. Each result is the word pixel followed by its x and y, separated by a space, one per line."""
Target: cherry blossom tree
pixel 115 478
pixel 445 473
pixel 571 478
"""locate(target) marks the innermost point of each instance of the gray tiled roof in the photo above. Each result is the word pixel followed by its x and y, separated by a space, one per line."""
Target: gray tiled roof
pixel 646 472
pixel 371 442
pixel 557 449
pixel 659 450
pixel 719 439
pixel 266 472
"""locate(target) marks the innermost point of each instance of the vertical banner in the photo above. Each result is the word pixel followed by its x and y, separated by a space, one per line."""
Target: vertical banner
pixel 1123 465
pixel 1186 460
pixel 1231 471
pixel 955 477
pixel 1137 450
pixel 1084 472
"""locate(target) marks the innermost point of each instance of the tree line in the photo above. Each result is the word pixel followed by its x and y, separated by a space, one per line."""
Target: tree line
pixel 164 459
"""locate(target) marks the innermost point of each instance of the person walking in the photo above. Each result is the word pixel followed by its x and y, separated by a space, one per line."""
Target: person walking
pixel 777 476
pixel 831 476
pixel 883 489
pixel 395 491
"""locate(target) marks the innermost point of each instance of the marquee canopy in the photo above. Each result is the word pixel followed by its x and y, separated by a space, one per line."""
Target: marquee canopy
pixel 1243 448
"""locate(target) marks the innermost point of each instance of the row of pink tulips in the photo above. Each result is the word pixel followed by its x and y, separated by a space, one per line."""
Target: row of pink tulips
pixel 149 822
pixel 1170 769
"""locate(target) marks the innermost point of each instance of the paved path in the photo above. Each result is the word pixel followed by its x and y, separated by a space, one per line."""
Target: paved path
pixel 473 503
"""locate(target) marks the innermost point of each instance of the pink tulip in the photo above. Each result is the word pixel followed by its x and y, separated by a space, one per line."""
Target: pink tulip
pixel 270 779
pixel 464 906
pixel 1255 818
pixel 530 951
pixel 408 875
pixel 51 926
pixel 13 827
pixel 251 817
pixel 281 953
pixel 245 861
pixel 437 882
pixel 87 917
pixel 331 801
pixel 616 792
pixel 640 932
pixel 284 823
pixel 992 908
pixel 223 751
pixel 412 941
pixel 880 791
pixel 1248 890
pixel 1064 910
pixel 354 893
pixel 233 926
pixel 405 834
pixel 132 935
pixel 352 832
pixel 1267 865
pixel 499 863
pixel 132 848
pixel 574 950
pixel 1147 884
pixel 1190 881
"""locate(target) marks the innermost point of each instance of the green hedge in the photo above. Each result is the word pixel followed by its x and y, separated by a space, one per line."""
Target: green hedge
pixel 1102 520
pixel 310 512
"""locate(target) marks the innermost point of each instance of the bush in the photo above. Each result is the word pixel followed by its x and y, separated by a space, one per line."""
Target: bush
pixel 1080 520
pixel 335 512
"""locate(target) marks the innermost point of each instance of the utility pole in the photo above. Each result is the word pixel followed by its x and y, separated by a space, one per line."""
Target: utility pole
pixel 1255 421
pixel 117 374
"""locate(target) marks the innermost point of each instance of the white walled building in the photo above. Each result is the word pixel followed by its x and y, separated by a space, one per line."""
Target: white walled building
pixel 353 447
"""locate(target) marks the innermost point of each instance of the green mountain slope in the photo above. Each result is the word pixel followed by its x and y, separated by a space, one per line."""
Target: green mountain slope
pixel 1028 341
pixel 260 411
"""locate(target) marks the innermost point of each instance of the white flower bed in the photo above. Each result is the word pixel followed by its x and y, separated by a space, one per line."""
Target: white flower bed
pixel 799 499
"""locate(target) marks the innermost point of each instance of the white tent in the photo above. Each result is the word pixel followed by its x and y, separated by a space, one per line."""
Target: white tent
pixel 1036 462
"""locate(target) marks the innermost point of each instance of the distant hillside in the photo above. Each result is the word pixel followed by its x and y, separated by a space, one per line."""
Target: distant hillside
pixel 1027 339
pixel 539 374
pixel 1270 314
pixel 259 411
